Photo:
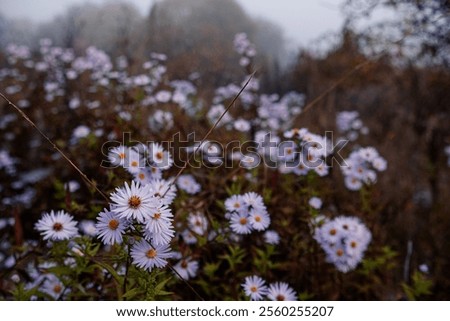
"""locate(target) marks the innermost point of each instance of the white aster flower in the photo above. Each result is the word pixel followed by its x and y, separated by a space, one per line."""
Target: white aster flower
pixel 134 163
pixel 110 227
pixel 255 288
pixel 118 156
pixel 188 184
pixel 134 202
pixel 163 190
pixel 315 202
pixel 271 237
pixel 143 176
pixel 254 200
pixel 53 286
pixel 242 125
pixel 235 203
pixel 281 291
pixel 158 157
pixel 147 257
pixel 159 219
pixel 240 223
pixel 88 227
pixel 186 268
pixel 188 237
pixel 57 226
pixel 198 223
pixel 164 236
pixel 259 219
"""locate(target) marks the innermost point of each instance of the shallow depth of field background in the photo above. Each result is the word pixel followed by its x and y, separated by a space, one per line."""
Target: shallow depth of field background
pixel 402 95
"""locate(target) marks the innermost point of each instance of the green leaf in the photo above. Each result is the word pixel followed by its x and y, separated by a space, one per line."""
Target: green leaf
pixel 132 293
pixel 111 271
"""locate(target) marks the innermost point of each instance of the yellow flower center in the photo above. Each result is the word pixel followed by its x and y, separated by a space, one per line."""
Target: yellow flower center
pixel 254 289
pixel 339 252
pixel 134 201
pixel 333 231
pixel 243 221
pixel 157 216
pixel 57 227
pixel 113 224
pixel 280 297
pixel 258 218
pixel 151 254
pixel 159 155
pixel 57 288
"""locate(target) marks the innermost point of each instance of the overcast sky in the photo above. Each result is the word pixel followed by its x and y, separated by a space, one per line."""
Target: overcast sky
pixel 302 20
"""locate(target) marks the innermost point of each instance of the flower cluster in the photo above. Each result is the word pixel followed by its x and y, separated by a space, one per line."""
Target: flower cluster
pixel 145 208
pixel 145 163
pixel 344 240
pixel 304 152
pixel 245 48
pixel 361 167
pixel 247 213
pixel 256 288
pixel 350 125
pixel 275 113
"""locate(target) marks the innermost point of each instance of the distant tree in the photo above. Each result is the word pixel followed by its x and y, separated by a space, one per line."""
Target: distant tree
pixel 420 29
pixel 198 35
pixel 16 30
pixel 110 27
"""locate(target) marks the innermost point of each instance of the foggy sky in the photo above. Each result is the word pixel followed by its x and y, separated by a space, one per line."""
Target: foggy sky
pixel 301 20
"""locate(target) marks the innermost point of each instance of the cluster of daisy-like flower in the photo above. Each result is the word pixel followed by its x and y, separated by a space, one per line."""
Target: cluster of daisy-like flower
pixel 247 213
pixel 61 66
pixel 304 152
pixel 255 288
pixel 197 225
pixel 145 163
pixel 361 167
pixel 344 240
pixel 245 48
pixel 143 205
pixel 274 112
pixel 350 125
pixel 146 209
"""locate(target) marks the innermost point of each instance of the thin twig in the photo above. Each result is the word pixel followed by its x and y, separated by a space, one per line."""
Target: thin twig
pixel 231 104
pixel 183 279
pixel 24 116
pixel 334 85
pixel 127 269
